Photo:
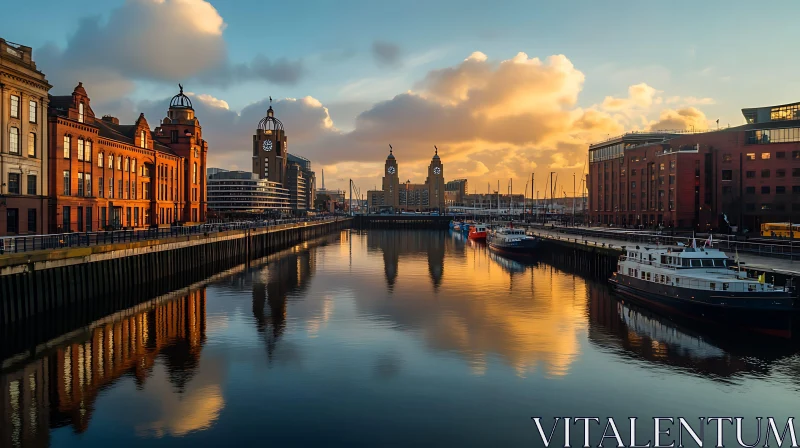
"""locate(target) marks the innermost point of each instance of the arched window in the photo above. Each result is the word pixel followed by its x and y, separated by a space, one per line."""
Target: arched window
pixel 80 113
pixel 89 151
pixel 127 164
pixel 111 161
pixel 142 139
pixel 100 159
pixel 194 173
pixel 133 166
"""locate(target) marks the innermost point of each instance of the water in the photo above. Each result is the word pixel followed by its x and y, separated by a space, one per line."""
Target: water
pixel 384 338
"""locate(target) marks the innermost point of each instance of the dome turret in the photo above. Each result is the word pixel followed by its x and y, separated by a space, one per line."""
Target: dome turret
pixel 270 123
pixel 180 101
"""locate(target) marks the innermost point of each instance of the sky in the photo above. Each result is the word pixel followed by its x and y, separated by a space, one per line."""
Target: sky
pixel 503 90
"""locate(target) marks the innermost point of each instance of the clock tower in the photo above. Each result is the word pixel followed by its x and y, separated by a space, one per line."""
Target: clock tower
pixel 391 183
pixel 436 182
pixel 270 148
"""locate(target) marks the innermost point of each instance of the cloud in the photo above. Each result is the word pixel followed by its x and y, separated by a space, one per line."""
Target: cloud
pixel 386 54
pixel 490 119
pixel 682 119
pixel 153 40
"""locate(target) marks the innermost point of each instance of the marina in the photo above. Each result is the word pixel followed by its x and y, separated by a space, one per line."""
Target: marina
pixel 346 323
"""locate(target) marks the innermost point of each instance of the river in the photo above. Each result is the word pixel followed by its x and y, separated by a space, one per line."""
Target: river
pixel 383 338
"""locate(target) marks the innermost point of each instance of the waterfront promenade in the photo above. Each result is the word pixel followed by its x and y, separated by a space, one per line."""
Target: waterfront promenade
pixel 751 261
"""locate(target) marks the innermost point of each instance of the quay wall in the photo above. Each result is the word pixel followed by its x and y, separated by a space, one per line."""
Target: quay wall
pixel 74 280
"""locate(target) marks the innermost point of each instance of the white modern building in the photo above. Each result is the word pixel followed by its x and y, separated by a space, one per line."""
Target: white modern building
pixel 242 191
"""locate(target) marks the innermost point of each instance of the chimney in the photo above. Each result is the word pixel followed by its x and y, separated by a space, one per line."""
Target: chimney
pixel 110 119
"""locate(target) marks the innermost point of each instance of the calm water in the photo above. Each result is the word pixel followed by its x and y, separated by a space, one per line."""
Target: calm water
pixel 383 338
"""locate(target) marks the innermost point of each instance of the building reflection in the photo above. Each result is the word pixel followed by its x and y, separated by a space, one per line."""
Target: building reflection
pixel 412 246
pixel 286 274
pixel 61 389
pixel 636 333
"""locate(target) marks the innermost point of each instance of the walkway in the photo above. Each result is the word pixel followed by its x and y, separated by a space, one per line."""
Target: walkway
pixel 21 244
pixel 750 261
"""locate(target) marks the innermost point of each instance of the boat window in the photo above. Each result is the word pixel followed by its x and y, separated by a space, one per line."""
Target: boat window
pixel 725 286
pixel 708 263
pixel 719 262
pixel 696 263
pixel 713 286
pixel 635 272
pixel 663 259
pixel 751 287
pixel 686 262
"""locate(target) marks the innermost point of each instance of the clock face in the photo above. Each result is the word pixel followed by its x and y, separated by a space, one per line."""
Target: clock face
pixel 390 170
pixel 267 145
pixel 437 170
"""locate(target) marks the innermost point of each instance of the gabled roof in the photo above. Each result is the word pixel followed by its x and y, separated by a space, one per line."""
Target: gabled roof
pixel 126 133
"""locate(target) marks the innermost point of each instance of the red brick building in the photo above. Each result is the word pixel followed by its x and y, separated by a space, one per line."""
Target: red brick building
pixel 103 174
pixel 749 174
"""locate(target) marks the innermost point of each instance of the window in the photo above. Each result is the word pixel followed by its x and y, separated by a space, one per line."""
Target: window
pixel 133 166
pixel 80 184
pixel 795 189
pixel 80 148
pixel 727 190
pixel 127 164
pixel 12 223
pixel 796 155
pixel 146 190
pixel 712 285
pixel 633 171
pixel 80 219
pixel 13 141
pixel 111 161
pixel 194 173
pixel 67 191
pixel 13 183
pixel 780 155
pixel 765 189
pixel 66 219
pixel 111 189
pixel 765 156
pixel 31 144
pixel 795 172
pixel 136 217
pixel 32 184
pixel 14 106
pixel 661 167
pixel 780 189
pixel 100 159
pixel 67 144
pixel 672 179
pixel 672 165
pixel 633 184
pixel 32 220
pixel 127 189
pixel 727 174
pixel 142 139
pixel 80 113
pixel 119 163
pixel 751 156
pixel 764 173
pixel 32 111
pixel 100 191
pixel 88 153
pixel 750 190
pixel 88 179
pixel 780 173
pixel 727 158
pixel 751 174
pixel 119 189
pixel 173 136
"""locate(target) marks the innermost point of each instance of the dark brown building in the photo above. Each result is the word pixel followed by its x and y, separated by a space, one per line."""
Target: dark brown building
pixel 742 176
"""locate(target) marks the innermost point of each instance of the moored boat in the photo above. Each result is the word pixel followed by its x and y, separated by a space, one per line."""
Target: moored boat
pixel 512 241
pixel 477 232
pixel 698 283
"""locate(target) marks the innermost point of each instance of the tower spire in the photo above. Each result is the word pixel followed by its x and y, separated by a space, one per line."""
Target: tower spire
pixel 390 148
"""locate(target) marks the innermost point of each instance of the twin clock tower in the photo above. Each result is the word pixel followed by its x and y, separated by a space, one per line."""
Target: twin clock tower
pixel 407 196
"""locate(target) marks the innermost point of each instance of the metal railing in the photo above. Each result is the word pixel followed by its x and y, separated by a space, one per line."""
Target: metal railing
pixel 726 244
pixel 20 244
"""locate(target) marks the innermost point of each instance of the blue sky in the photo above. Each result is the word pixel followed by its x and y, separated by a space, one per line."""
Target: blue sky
pixel 733 53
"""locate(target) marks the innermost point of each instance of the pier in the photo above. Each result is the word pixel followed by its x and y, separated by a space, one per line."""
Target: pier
pixel 402 221
pixel 80 279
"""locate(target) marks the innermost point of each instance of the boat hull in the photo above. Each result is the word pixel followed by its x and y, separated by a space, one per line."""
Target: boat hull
pixel 524 247
pixel 768 314
pixel 477 236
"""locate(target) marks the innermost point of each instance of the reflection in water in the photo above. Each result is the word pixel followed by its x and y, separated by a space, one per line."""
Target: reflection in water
pixel 325 326
pixel 69 380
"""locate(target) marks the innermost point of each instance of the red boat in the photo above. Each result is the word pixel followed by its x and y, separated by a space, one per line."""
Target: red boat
pixel 477 232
